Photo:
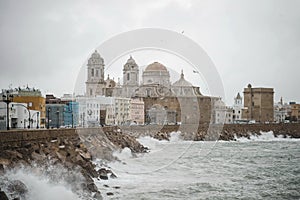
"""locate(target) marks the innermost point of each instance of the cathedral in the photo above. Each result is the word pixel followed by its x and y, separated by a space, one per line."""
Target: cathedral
pixel 180 101
pixel 155 81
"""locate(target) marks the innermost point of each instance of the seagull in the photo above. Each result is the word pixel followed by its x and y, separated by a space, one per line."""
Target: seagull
pixel 195 71
pixel 182 32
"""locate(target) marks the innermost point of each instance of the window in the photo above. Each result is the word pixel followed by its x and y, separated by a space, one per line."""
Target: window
pixel 91 92
pixel 128 77
pixel 97 73
pixel 92 72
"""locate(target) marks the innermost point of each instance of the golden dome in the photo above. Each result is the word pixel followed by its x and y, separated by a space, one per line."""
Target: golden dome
pixel 156 66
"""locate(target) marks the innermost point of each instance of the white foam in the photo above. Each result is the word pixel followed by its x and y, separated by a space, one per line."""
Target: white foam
pixel 265 136
pixel 123 154
pixel 40 186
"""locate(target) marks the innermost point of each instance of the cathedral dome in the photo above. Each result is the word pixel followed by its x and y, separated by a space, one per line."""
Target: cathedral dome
pixel 131 61
pixel 156 66
pixel 96 54
pixel 95 58
pixel 182 82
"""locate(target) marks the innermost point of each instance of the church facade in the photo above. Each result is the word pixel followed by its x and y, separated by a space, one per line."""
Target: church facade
pixel 164 102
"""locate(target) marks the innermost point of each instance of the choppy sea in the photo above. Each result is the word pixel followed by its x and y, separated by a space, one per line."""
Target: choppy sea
pixel 262 167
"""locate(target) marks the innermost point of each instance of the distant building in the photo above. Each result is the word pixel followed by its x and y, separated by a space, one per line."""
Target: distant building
pixel 122 110
pixel 258 104
pixel 181 102
pixel 237 108
pixel 20 117
pixel 71 114
pixel 137 111
pixel 222 114
pixel 34 100
pixel 295 112
pixel 55 115
pixel 281 111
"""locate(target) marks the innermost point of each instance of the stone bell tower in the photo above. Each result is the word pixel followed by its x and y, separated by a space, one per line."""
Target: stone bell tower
pixel 130 77
pixel 95 75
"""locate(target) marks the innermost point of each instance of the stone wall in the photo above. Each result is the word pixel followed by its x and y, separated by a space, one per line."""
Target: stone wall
pixel 17 136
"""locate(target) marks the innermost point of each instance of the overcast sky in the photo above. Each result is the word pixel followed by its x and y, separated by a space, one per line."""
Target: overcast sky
pixel 45 43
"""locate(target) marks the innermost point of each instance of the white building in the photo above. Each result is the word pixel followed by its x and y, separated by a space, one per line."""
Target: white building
pixel 90 109
pixel 222 114
pixel 137 114
pixel 237 108
pixel 20 117
pixel 122 110
pixel 281 111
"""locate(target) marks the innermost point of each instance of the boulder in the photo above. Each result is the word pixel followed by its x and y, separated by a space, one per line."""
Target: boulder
pixel 3 196
pixel 18 188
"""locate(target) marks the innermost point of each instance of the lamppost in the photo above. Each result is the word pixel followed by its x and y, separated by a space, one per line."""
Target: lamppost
pixel 48 118
pixel 72 119
pixel 7 99
pixel 57 113
pixel 37 120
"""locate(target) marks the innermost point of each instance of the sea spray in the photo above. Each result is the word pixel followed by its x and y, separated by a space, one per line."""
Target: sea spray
pixel 50 182
pixel 264 136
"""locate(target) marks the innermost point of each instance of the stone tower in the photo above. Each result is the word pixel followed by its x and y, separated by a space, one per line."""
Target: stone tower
pixel 130 77
pixel 95 75
pixel 258 104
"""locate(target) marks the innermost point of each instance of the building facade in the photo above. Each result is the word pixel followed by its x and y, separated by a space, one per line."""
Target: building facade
pixel 237 108
pixel 137 111
pixel 258 104
pixel 180 102
pixel 33 99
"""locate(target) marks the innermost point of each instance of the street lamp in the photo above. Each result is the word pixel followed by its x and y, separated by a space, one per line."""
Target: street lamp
pixel 37 120
pixel 48 119
pixel 57 113
pixel 7 99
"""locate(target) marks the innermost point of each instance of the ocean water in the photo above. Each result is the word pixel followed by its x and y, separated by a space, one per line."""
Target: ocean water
pixel 261 167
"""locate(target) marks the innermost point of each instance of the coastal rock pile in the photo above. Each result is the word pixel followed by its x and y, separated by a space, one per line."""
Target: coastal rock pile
pixel 71 153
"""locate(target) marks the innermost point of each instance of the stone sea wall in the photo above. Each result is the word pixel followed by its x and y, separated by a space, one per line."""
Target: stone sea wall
pixel 71 149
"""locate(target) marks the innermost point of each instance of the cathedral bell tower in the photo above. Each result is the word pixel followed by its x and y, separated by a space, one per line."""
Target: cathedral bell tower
pixel 130 77
pixel 95 75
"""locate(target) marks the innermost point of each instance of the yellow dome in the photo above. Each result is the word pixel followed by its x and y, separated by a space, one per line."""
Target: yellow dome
pixel 156 66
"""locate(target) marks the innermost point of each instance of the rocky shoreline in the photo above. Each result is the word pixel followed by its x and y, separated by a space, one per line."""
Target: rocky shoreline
pixel 73 154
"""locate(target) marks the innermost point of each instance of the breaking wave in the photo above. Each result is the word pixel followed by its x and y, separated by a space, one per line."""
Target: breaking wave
pixel 265 136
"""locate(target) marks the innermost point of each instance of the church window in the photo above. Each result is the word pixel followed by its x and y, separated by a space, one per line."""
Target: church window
pixel 128 77
pixel 92 72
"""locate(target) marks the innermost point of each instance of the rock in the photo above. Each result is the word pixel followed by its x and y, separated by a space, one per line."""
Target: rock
pixel 97 196
pixel 113 175
pixel 3 196
pixel 105 185
pixel 92 187
pixel 103 174
pixel 4 161
pixel 117 187
pixel 109 193
pixel 18 188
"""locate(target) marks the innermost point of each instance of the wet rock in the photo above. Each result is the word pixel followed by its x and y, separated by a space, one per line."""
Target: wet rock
pixel 97 196
pixel 113 175
pixel 92 187
pixel 3 196
pixel 109 193
pixel 103 174
pixel 18 188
